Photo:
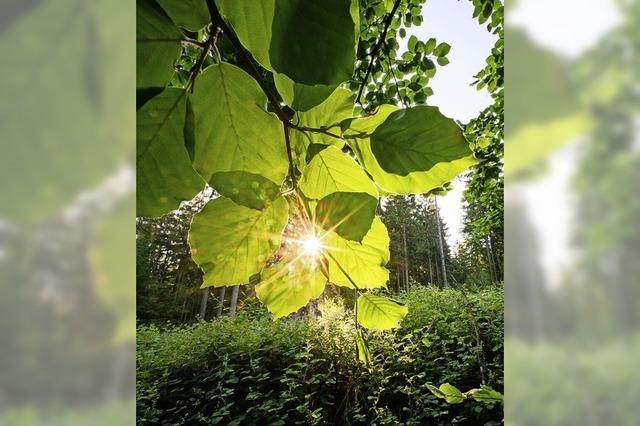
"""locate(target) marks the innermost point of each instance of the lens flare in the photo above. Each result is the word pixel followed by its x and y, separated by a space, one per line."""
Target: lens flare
pixel 311 244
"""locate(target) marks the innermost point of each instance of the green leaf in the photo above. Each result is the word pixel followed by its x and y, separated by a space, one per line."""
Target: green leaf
pixel 232 132
pixel 312 43
pixel 330 113
pixel 411 45
pixel 232 243
pixel 434 390
pixel 486 395
pixel 364 262
pixel 251 21
pixel 164 173
pixel 364 354
pixel 158 45
pixel 451 394
pixel 442 61
pixel 349 214
pixel 301 97
pixel 442 50
pixel 409 151
pixel 244 188
pixel 190 14
pixel 379 313
pixel 331 170
pixel 429 46
pixel 348 198
pixel 289 285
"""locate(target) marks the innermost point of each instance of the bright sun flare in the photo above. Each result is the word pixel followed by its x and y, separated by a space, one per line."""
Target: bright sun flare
pixel 311 244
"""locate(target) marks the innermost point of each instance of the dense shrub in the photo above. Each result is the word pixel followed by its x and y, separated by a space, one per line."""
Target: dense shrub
pixel 251 370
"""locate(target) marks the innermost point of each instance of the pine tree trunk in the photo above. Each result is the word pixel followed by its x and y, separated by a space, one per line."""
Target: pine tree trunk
pixel 223 290
pixel 430 269
pixel 203 303
pixel 234 299
pixel 406 260
pixel 445 283
pixel 490 261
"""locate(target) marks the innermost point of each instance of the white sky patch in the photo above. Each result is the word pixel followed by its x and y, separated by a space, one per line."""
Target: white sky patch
pixel 452 213
pixel 568 27
pixel 452 22
pixel 551 206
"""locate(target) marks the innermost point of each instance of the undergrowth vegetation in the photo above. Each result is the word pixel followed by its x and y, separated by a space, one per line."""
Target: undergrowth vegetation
pixel 249 369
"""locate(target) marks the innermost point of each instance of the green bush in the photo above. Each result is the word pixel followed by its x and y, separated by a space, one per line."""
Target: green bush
pixel 251 370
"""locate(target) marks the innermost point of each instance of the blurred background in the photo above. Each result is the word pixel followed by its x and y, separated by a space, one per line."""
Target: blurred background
pixel 67 230
pixel 572 212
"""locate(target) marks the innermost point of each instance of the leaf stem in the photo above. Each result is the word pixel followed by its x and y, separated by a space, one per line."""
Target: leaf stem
pixel 376 48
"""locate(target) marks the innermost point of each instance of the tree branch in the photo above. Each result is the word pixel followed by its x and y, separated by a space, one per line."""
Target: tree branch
pixel 376 48
pixel 247 61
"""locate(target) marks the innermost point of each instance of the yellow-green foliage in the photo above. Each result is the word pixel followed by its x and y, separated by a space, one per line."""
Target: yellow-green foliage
pixel 250 369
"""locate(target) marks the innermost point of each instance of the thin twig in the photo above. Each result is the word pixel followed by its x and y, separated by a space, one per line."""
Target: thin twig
pixel 316 130
pixel 292 167
pixel 393 72
pixel 376 48
pixel 203 55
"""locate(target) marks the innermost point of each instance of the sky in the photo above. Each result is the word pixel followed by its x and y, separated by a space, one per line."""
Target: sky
pixel 452 21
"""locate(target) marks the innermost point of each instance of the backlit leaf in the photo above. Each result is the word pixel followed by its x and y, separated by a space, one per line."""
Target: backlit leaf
pixel 409 151
pixel 190 14
pixel 486 395
pixel 244 188
pixel 451 394
pixel 331 171
pixel 329 114
pixel 349 214
pixel 158 45
pixel 312 43
pixel 364 354
pixel 231 243
pixel 348 198
pixel 379 313
pixel 164 173
pixel 289 285
pixel 364 262
pixel 232 132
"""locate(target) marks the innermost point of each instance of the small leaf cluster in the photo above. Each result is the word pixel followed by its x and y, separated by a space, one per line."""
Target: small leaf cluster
pixel 396 77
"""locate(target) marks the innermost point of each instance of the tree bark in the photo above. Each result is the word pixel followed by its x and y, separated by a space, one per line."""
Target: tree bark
pixel 490 261
pixel 441 245
pixel 203 303
pixel 234 299
pixel 430 269
pixel 223 290
pixel 406 259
